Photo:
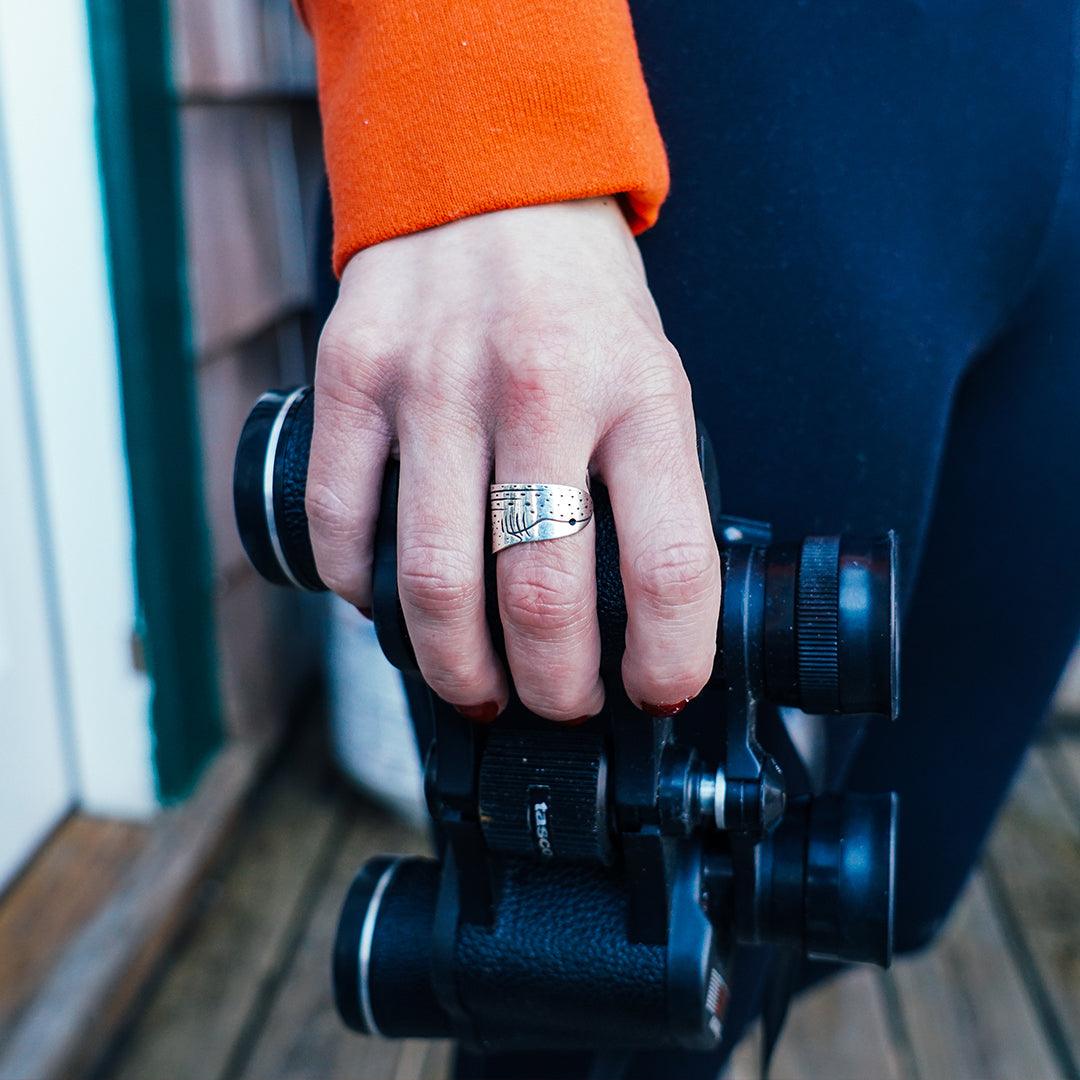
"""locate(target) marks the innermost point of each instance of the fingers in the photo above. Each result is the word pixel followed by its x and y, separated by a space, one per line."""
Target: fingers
pixel 668 556
pixel 349 447
pixel 442 516
pixel 538 410
pixel 547 590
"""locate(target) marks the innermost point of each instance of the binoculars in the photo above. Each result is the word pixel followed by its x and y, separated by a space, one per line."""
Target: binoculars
pixel 593 883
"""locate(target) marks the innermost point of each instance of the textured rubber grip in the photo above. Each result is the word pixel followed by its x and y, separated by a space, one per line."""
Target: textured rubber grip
pixel 543 795
pixel 818 624
pixel 290 485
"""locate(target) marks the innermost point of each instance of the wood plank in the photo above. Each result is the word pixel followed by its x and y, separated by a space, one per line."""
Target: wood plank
pixel 1067 699
pixel 55 897
pixel 227 388
pixel 198 1014
pixel 965 1005
pixel 1035 861
pixel 236 47
pixel 424 1059
pixel 410 1062
pixel 269 642
pixel 94 983
pixel 302 1038
pixel 437 1063
pixel 247 255
pixel 839 1030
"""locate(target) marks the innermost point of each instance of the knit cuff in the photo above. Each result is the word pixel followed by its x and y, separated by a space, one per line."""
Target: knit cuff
pixel 436 111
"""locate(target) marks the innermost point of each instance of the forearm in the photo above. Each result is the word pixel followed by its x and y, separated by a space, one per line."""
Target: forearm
pixel 437 111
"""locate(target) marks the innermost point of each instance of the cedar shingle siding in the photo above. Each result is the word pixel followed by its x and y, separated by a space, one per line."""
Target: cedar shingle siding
pixel 253 174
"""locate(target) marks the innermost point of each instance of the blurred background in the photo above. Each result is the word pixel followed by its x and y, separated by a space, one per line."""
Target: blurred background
pixel 182 745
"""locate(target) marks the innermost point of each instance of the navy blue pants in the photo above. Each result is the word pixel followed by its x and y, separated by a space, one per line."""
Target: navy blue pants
pixel 870 263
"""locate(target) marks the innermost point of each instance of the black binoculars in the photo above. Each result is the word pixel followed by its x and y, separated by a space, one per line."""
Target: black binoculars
pixel 593 883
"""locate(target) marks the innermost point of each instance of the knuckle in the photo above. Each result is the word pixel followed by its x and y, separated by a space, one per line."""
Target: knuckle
pixel 544 389
pixel 654 407
pixel 337 532
pixel 353 365
pixel 458 339
pixel 536 385
pixel 442 393
pixel 665 386
pixel 545 601
pixel 654 373
pixel 328 513
pixel 670 577
pixel 346 341
pixel 438 581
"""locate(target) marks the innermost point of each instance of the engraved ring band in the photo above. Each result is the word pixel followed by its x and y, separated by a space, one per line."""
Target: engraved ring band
pixel 521 513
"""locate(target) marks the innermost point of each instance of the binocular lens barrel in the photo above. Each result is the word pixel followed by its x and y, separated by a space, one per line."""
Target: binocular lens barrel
pixel 382 962
pixel 269 479
pixel 824 880
pixel 823 884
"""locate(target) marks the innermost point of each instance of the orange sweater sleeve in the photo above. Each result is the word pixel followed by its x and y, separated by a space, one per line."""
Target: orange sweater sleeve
pixel 437 109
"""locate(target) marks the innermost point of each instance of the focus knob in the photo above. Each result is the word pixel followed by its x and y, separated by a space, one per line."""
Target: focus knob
pixel 831 639
pixel 543 795
pixel 817 624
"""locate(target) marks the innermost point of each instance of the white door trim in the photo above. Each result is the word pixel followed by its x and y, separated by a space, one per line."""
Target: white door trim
pixel 47 114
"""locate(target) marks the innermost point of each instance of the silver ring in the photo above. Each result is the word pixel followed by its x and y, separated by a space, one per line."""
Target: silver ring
pixel 521 513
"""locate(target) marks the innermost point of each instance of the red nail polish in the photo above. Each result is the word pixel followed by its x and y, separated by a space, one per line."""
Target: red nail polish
pixel 664 710
pixel 365 611
pixel 576 721
pixel 482 714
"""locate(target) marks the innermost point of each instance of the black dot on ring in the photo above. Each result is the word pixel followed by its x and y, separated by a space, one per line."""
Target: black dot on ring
pixel 572 521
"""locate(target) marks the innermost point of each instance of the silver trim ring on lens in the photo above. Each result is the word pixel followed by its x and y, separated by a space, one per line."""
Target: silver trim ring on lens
pixel 268 478
pixel 367 936
pixel 719 797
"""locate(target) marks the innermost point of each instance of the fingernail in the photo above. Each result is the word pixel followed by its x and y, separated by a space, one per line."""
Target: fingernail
pixel 662 709
pixel 482 714
pixel 365 611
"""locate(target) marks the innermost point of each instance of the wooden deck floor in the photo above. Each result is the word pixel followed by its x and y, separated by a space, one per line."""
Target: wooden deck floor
pixel 245 994
pixel 42 913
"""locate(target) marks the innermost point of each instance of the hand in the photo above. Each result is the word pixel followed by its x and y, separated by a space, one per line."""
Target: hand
pixel 522 344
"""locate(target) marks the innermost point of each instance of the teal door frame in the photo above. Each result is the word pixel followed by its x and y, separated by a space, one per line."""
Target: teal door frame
pixel 138 139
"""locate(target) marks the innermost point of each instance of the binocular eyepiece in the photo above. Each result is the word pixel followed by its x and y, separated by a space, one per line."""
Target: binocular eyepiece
pixel 593 883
